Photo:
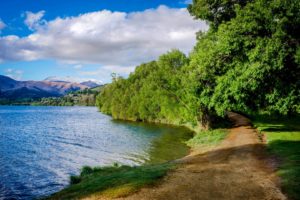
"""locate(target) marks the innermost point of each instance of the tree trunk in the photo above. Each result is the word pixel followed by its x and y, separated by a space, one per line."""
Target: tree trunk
pixel 206 119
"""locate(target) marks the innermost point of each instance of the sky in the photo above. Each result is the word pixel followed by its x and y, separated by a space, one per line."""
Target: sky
pixel 83 40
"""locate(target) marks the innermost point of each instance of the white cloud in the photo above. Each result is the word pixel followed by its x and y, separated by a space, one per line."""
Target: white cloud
pixel 71 79
pixel 34 20
pixel 14 74
pixel 187 2
pixel 103 73
pixel 107 70
pixel 117 41
pixel 2 25
pixel 77 66
pixel 119 69
pixel 8 70
pixel 104 37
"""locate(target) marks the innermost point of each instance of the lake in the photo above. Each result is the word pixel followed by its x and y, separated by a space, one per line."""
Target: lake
pixel 40 147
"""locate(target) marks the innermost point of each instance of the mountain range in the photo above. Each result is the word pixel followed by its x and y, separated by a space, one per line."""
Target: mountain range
pixel 13 89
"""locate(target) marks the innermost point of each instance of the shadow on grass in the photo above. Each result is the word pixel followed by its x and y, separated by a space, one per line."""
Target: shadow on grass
pixel 278 129
pixel 289 169
pixel 119 181
pixel 283 136
pixel 277 123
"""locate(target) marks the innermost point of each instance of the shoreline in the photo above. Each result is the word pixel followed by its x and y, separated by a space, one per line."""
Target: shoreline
pixel 202 170
pixel 236 168
pixel 171 165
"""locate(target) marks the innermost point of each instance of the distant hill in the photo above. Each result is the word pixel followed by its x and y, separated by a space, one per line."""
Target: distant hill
pixel 90 84
pixel 68 79
pixel 86 97
pixel 11 89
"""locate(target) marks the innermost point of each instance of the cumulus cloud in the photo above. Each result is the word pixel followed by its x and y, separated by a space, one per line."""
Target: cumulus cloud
pixel 106 71
pixel 104 37
pixel 72 79
pixel 187 1
pixel 2 25
pixel 34 20
pixel 14 74
pixel 77 66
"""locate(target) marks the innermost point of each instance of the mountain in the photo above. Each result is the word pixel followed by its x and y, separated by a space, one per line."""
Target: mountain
pixel 91 84
pixel 61 79
pixel 13 89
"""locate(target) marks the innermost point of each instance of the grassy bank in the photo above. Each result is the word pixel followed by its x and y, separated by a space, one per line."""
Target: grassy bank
pixel 283 140
pixel 208 138
pixel 117 181
pixel 112 181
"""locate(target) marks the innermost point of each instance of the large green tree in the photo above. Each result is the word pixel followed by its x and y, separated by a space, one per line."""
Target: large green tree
pixel 249 60
pixel 151 93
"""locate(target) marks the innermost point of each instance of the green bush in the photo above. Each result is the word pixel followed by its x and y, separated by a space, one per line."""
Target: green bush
pixel 207 138
pixel 75 179
pixel 113 180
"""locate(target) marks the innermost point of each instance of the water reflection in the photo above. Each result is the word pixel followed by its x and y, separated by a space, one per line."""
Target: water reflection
pixel 40 147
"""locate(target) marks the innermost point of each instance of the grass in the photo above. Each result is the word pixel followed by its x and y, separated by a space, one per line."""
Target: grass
pixel 207 138
pixel 283 140
pixel 119 181
pixel 112 181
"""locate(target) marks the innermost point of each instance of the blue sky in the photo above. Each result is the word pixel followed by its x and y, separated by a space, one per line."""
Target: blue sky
pixel 89 39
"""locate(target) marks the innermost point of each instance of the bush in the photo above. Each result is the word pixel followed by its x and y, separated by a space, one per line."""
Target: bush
pixel 207 138
pixel 86 170
pixel 75 180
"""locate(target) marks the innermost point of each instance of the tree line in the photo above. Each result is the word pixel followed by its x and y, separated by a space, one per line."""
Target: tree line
pixel 248 61
pixel 86 97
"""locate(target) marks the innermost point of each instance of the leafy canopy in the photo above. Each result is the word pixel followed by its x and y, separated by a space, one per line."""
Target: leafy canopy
pixel 248 61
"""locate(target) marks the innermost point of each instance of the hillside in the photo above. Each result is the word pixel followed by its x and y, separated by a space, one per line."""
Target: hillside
pixel 17 91
pixel 86 97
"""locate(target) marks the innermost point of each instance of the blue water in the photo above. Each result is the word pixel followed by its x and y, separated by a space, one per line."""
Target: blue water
pixel 40 147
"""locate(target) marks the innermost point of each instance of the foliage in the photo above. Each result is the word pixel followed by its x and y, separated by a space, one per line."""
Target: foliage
pixel 215 11
pixel 248 64
pixel 151 93
pixel 18 101
pixel 248 61
pixel 283 139
pixel 112 181
pixel 207 138
pixel 85 97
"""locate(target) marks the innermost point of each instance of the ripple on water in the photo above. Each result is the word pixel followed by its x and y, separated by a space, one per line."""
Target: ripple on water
pixel 41 147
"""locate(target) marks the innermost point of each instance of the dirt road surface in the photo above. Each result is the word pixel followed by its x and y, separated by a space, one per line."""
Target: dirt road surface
pixel 238 169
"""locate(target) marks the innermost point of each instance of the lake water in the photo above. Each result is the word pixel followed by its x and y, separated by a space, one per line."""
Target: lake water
pixel 40 147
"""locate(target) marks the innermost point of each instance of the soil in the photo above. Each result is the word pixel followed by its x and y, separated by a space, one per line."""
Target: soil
pixel 236 169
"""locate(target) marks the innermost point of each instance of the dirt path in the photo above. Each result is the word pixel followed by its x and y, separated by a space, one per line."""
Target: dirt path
pixel 236 169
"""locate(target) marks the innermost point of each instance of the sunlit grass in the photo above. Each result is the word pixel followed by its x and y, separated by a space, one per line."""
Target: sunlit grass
pixel 112 181
pixel 283 140
pixel 207 138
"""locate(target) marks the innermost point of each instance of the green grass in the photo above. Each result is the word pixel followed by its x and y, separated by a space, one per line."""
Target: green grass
pixel 207 138
pixel 112 181
pixel 118 181
pixel 283 140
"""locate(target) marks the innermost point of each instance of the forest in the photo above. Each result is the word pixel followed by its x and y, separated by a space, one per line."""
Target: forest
pixel 86 97
pixel 248 62
pixel 246 68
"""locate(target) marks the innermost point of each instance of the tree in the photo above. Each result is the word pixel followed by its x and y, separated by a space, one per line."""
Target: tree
pixel 215 12
pixel 151 93
pixel 250 62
